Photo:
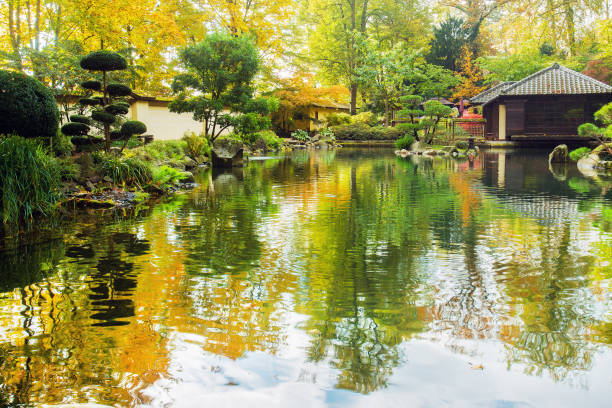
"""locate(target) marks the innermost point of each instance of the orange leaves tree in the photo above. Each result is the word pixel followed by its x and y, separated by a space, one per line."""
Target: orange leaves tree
pixel 470 76
pixel 296 94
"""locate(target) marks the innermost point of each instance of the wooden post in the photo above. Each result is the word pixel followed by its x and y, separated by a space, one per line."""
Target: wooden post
pixel 502 122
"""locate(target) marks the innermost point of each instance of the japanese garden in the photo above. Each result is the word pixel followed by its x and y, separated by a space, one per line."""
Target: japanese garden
pixel 305 203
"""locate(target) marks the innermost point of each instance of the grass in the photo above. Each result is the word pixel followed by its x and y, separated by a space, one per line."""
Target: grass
pixel 29 179
pixel 126 171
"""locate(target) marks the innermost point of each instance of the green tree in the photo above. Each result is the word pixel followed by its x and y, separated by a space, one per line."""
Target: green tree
pixel 382 76
pixel 447 42
pixel 603 134
pixel 218 81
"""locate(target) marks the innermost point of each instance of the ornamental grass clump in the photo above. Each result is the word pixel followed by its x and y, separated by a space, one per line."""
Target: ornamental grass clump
pixel 126 171
pixel 29 180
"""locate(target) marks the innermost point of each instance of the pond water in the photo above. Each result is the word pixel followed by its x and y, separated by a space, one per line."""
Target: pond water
pixel 346 278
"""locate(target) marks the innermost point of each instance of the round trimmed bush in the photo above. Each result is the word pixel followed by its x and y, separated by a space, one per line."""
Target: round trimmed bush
pixel 133 127
pixel 27 107
pixel 116 109
pixel 103 116
pixel 75 129
pixel 89 101
pixel 116 89
pixel 461 145
pixel 103 60
pixel 92 85
pixel 80 140
pixel 80 119
pixel 116 135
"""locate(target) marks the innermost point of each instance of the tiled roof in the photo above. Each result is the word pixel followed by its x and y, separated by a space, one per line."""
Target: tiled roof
pixel 330 104
pixel 554 80
pixel 487 96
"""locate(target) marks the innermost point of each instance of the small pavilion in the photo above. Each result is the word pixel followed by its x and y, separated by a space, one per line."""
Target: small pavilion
pixel 552 102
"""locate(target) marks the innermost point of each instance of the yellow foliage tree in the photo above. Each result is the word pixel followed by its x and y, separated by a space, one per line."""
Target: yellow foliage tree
pixel 470 76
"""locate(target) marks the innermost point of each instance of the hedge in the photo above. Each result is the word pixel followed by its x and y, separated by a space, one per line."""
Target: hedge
pixel 27 107
pixel 361 131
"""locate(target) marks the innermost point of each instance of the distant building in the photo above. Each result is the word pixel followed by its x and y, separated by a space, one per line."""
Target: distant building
pixel 314 116
pixel 551 102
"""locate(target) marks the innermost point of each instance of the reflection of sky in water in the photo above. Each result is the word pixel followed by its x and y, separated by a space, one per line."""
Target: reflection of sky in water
pixel 344 279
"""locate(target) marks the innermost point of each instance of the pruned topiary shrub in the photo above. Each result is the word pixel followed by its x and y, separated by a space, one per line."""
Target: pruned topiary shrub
pixel 75 129
pixel 103 60
pixel 27 107
pixel 111 111
pixel 118 90
pixel 80 119
pixel 133 127
pixel 92 85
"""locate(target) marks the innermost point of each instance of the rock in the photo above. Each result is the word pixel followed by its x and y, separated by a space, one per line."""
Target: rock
pixel 559 155
pixel 107 179
pixel 321 144
pixel 115 150
pixel 189 178
pixel 430 152
pixel 89 185
pixel 227 153
pixel 95 179
pixel 189 163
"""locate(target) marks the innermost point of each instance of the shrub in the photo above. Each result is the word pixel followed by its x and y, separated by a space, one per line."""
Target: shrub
pixel 133 127
pixel 61 145
pixel 116 109
pixel 90 101
pixel 125 171
pixel 300 135
pixel 92 85
pixel 27 107
pixel 103 60
pixel 196 146
pixel 68 169
pixel 327 134
pixel 29 178
pixel 361 131
pixel 367 118
pixel 116 89
pixel 336 119
pixel 80 119
pixel 270 139
pixel 75 129
pixel 405 142
pixel 165 177
pixel 84 140
pixel 103 116
pixel 116 135
pixel 579 153
pixel 461 145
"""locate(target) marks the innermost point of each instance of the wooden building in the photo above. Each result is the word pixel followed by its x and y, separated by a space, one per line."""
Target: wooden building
pixel 552 102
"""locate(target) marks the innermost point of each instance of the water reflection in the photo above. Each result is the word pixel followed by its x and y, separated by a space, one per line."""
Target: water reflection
pixel 321 275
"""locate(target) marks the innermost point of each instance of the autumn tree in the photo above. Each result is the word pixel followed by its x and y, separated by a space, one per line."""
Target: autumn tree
pixel 296 94
pixel 470 76
pixel 218 81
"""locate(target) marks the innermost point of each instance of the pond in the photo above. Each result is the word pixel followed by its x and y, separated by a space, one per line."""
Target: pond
pixel 335 278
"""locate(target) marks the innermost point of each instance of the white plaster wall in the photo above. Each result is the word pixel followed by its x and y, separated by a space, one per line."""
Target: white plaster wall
pixel 163 124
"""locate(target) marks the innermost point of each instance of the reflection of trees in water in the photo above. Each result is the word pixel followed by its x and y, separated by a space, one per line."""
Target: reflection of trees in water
pixel 556 308
pixel 364 295
pixel 54 352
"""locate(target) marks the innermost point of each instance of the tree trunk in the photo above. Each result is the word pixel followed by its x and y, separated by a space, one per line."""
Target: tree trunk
pixel 387 112
pixel 353 99
pixel 106 125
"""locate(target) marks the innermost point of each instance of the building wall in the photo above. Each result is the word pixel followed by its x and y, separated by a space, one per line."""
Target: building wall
pixel 161 123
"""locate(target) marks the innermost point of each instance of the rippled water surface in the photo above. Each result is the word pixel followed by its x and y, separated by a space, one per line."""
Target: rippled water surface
pixel 348 278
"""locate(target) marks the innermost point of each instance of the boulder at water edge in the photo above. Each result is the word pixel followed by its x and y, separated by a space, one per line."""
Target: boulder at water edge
pixel 559 155
pixel 227 153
